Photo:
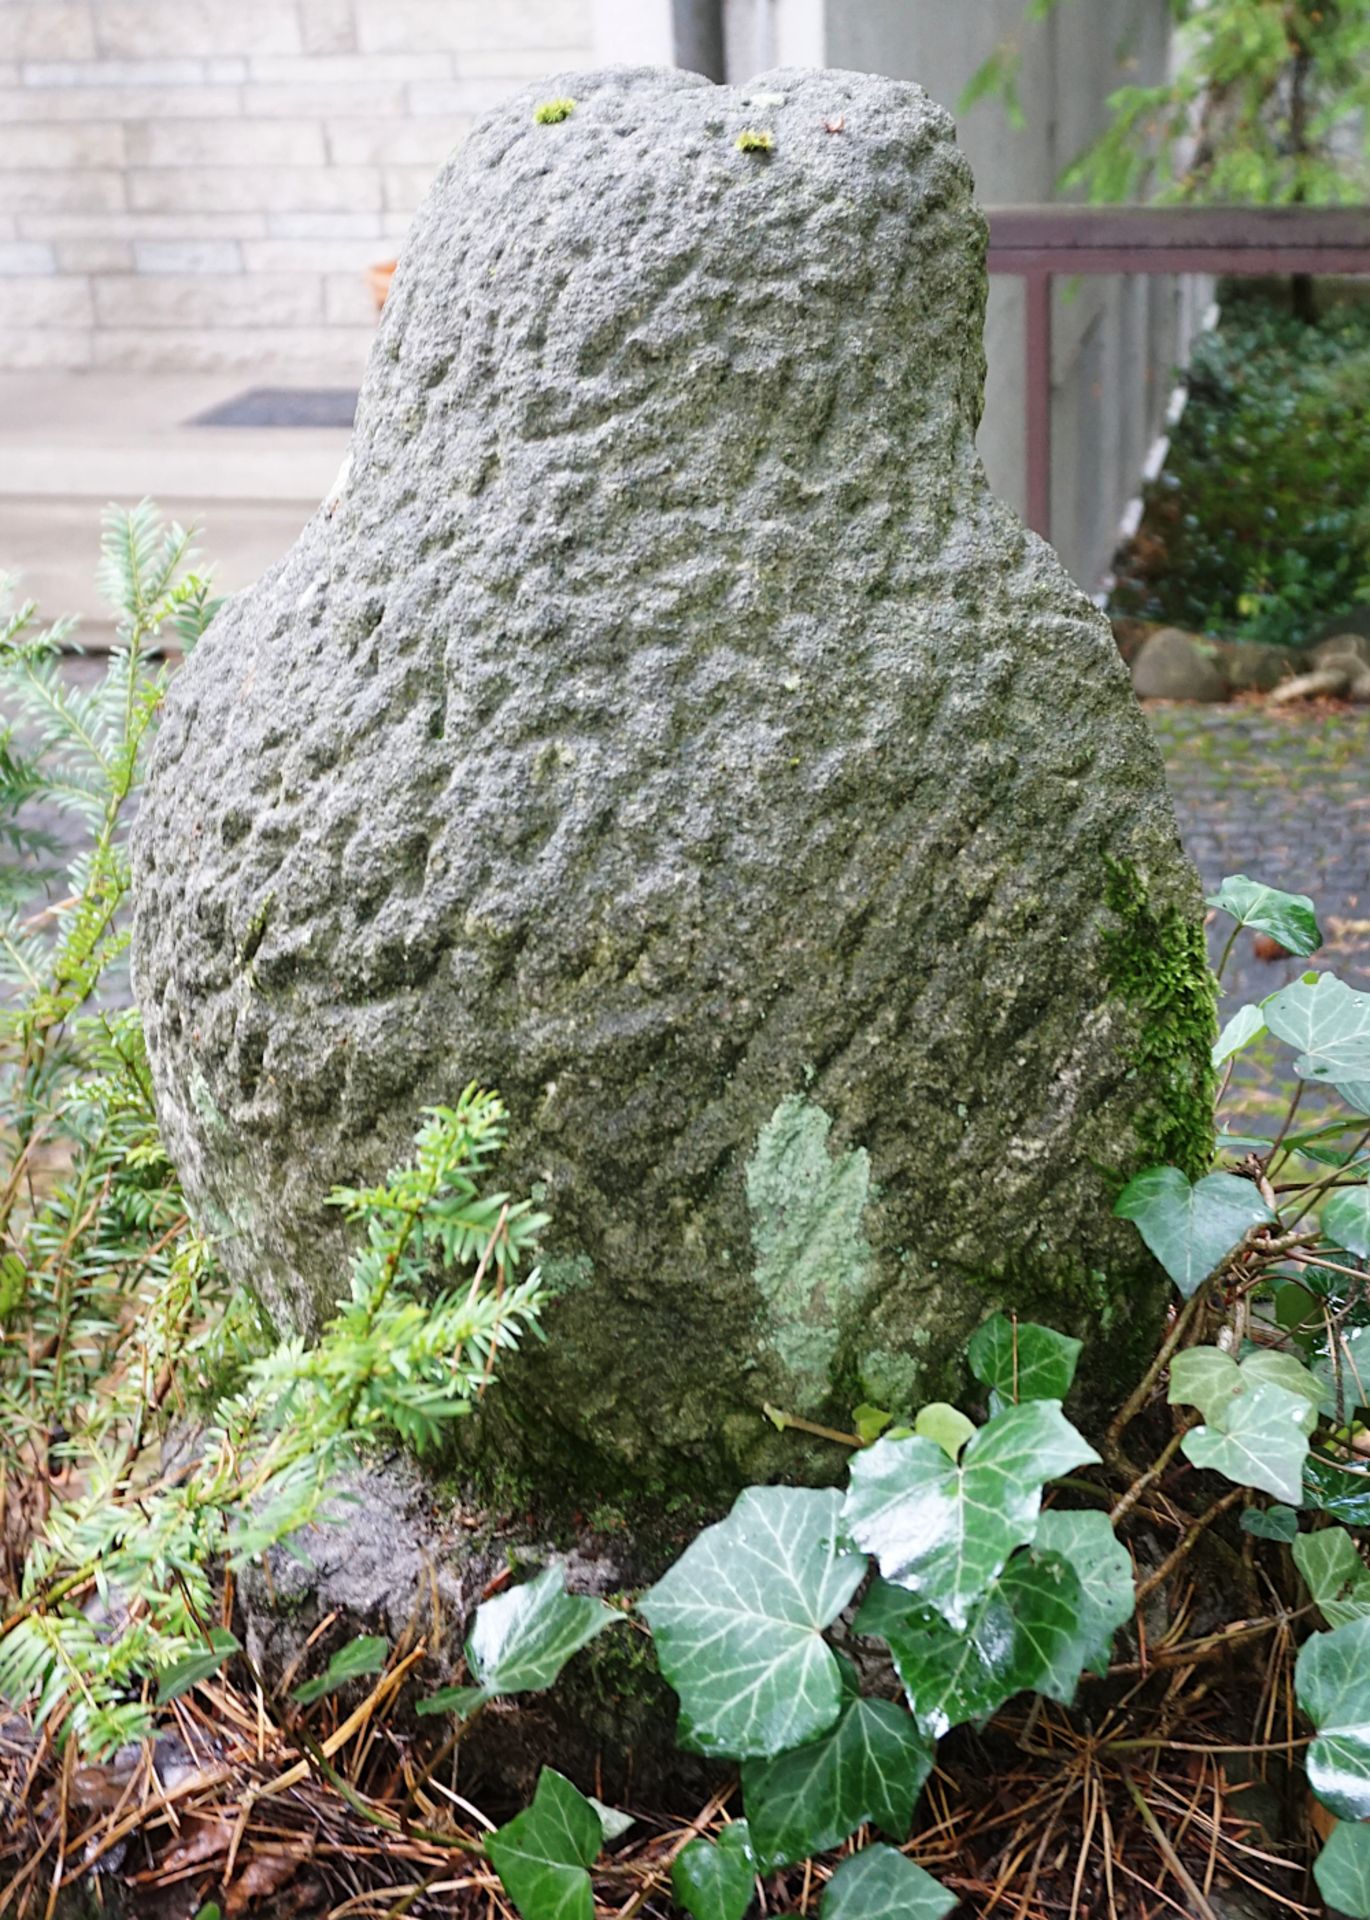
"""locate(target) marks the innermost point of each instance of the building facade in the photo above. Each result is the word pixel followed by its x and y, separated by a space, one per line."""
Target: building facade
pixel 203 185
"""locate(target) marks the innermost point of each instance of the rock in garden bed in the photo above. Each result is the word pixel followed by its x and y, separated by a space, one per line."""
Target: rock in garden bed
pixel 664 724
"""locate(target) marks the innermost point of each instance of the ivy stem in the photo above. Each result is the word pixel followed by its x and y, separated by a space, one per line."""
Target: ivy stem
pixel 781 1420
pixel 1172 1560
pixel 1227 951
pixel 1331 1180
pixel 1141 1393
pixel 1284 1128
pixel 1147 1479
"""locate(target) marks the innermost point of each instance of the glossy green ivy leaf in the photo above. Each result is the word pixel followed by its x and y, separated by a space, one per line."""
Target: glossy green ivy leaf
pixel 1356 1094
pixel 1289 918
pixel 1346 1219
pixel 1191 1229
pixel 881 1884
pixel 738 1622
pixel 1329 1022
pixel 1103 1567
pixel 460 1701
pixel 1018 1636
pixel 613 1822
pixel 521 1640
pixel 1021 1361
pixel 182 1675
pixel 947 1425
pixel 1260 1441
pixel 870 1766
pixel 943 1529
pixel 1336 1576
pixel 1211 1380
pixel 715 1881
pixel 869 1422
pixel 1271 1523
pixel 1332 1681
pixel 1342 1869
pixel 366 1654
pixel 543 1854
pixel 1238 1032
pixel 1344 1492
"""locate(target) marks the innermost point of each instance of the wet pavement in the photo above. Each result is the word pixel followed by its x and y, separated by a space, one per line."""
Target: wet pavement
pixel 1283 798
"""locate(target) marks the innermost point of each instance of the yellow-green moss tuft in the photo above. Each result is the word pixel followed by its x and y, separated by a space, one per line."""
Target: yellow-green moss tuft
pixel 755 140
pixel 552 111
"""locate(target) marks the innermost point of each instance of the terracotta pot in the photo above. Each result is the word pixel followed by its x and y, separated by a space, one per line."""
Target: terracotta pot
pixel 378 279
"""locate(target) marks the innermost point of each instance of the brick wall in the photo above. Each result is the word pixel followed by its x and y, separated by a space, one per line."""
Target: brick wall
pixel 203 183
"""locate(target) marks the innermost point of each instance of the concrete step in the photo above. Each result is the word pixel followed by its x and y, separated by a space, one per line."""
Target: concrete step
pixel 71 444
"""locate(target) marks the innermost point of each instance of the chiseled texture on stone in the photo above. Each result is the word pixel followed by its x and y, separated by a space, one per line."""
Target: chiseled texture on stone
pixel 665 725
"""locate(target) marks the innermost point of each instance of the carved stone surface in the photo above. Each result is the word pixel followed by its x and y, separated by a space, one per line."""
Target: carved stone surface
pixel 664 724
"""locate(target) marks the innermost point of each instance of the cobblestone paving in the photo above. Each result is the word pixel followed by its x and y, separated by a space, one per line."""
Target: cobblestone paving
pixel 1284 799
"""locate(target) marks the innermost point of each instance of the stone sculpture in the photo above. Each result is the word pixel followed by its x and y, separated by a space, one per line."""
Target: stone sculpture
pixel 663 723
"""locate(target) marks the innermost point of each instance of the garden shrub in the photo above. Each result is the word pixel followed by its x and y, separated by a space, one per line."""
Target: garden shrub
pixel 1259 525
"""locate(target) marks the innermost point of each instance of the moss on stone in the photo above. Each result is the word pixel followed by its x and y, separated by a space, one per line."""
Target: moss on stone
pixel 1157 964
pixel 551 112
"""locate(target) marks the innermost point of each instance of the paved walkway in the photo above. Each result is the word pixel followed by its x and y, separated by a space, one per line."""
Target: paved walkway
pixel 71 443
pixel 1284 799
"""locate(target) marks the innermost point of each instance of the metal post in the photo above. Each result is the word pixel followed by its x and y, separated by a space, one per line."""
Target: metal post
pixel 1037 378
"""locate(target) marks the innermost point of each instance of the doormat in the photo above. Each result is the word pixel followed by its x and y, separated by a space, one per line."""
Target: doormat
pixel 283 407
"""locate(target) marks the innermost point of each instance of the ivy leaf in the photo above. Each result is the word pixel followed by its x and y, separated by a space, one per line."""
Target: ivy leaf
pixel 613 1822
pixel 1289 918
pixel 1335 1575
pixel 871 1766
pixel 542 1855
pixel 714 1882
pixel 1021 1361
pixel 1332 1681
pixel 1211 1380
pixel 461 1701
pixel 881 1884
pixel 947 1425
pixel 366 1654
pixel 1272 1523
pixel 869 1422
pixel 1017 1637
pixel 1329 1022
pixel 182 1675
pixel 1342 1870
pixel 1245 1024
pixel 1344 1492
pixel 738 1622
pixel 523 1638
pixel 945 1530
pixel 1103 1567
pixel 1356 1094
pixel 1346 1220
pixel 1261 1441
pixel 1191 1229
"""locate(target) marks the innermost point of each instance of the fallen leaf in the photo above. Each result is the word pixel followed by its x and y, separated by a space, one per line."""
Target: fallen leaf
pixel 208 1839
pixel 264 1873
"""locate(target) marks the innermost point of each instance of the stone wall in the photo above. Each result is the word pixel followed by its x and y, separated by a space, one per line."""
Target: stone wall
pixel 203 183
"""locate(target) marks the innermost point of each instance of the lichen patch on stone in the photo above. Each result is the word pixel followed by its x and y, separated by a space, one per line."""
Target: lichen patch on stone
pixel 813 1262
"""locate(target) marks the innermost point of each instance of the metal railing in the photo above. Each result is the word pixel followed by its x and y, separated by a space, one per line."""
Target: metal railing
pixel 1037 243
